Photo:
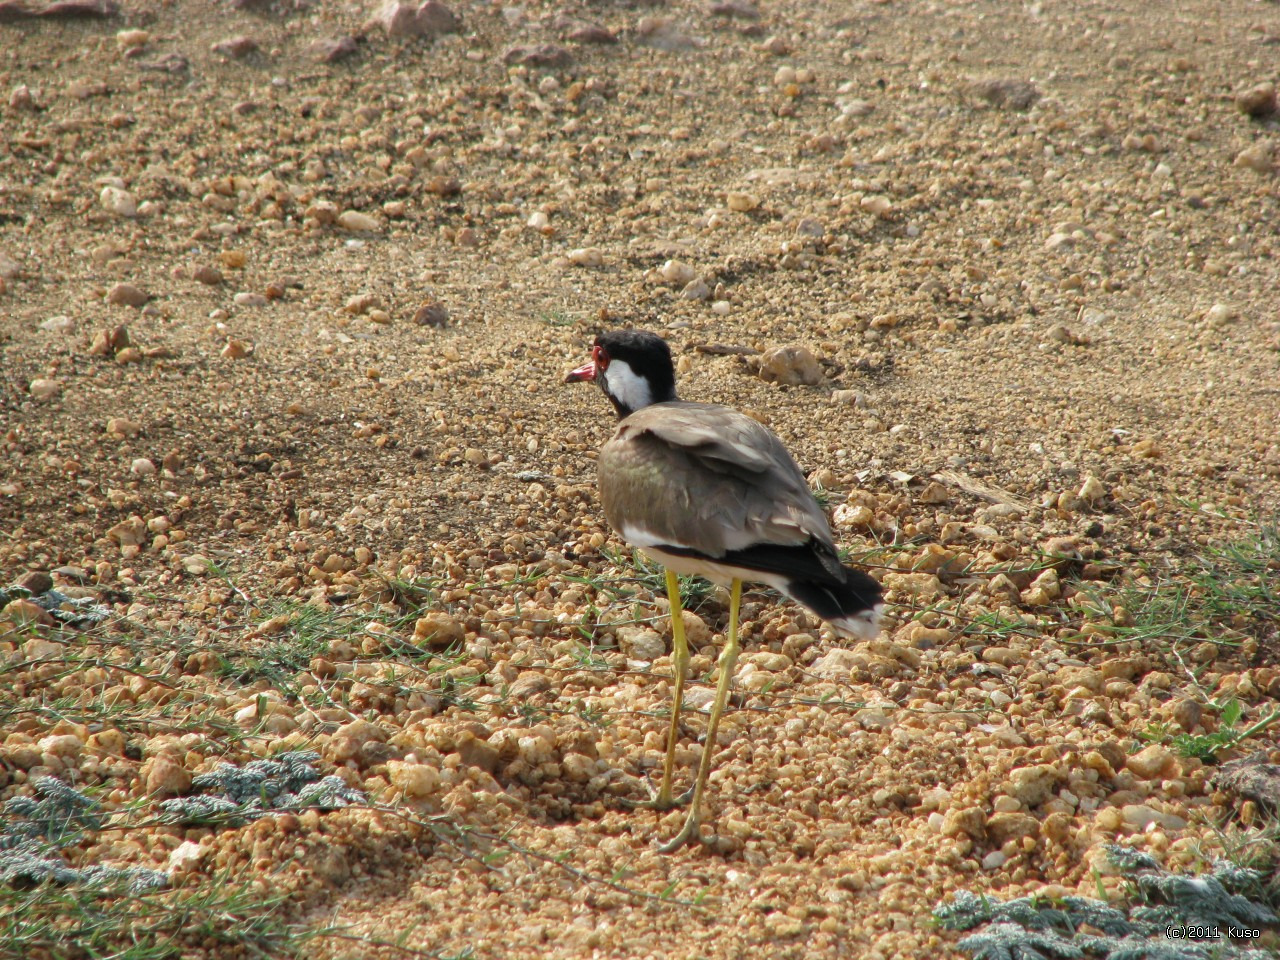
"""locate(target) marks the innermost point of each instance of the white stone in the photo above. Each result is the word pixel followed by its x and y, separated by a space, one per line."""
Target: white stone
pixel 119 201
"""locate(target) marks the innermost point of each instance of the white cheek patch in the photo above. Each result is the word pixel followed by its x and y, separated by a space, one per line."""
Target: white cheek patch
pixel 626 386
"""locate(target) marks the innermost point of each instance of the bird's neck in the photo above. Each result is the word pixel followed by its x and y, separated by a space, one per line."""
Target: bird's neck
pixel 628 391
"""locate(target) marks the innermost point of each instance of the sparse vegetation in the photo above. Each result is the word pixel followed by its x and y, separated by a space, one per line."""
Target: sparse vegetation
pixel 1164 916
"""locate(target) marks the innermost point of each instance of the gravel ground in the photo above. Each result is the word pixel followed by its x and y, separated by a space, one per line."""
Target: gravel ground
pixel 286 299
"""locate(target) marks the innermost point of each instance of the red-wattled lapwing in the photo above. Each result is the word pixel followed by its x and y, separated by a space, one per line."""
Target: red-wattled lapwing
pixel 705 490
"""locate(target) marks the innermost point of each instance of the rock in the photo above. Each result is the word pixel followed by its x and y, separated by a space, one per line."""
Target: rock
pixel 1032 786
pixel 431 314
pixel 1092 490
pixel 1186 713
pixel 109 342
pixel 1044 589
pixel 696 289
pixel 445 186
pixel 413 779
pixel 965 821
pixel 38 648
pixel 119 201
pixel 120 427
pixel 641 643
pixel 10 269
pixel 36 581
pixel 877 205
pixel 790 365
pixel 529 684
pixel 126 295
pixel 197 565
pixel 44 389
pixel 1155 762
pixel 129 533
pixel 143 467
pixel 922 586
pixel 696 631
pixel 1220 314
pixel 207 274
pixel 662 33
pixel 1006 93
pixel 477 753
pixel 1086 677
pixel 677 273
pixel 249 299
pixel 185 857
pixel 237 349
pixel 1138 817
pixel 736 9
pixel 236 47
pixel 994 860
pixel 1258 101
pixel 590 33
pixel 22 611
pixel 132 39
pixel 66 745
pixel 1002 827
pixel 438 631
pixel 835 664
pixel 538 55
pixel 1256 157
pixel 22 99
pixel 333 50
pixel 741 202
pixel 357 222
pixel 322 212
pixel 852 515
pixel 585 257
pixel 426 20
pixel 59 8
pixel 162 776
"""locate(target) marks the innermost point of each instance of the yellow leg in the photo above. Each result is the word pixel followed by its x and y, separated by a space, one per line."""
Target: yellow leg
pixel 680 665
pixel 728 660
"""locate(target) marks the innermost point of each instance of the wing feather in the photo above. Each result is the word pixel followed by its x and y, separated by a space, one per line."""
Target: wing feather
pixel 706 478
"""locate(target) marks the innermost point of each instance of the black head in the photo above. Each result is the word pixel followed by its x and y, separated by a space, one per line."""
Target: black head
pixel 633 367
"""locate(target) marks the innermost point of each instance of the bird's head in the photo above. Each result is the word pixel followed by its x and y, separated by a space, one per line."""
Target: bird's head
pixel 633 367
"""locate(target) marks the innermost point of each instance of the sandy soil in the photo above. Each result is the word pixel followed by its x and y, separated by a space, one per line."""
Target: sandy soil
pixel 1032 248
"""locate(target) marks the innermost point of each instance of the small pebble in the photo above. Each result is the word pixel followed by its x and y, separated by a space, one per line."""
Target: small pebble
pixel 677 273
pixel 119 201
pixel 1258 101
pixel 1256 157
pixel 44 389
pixel 1092 490
pixel 59 324
pixel 126 294
pixel 236 47
pixel 132 39
pixel 790 365
pixel 357 222
pixel 586 257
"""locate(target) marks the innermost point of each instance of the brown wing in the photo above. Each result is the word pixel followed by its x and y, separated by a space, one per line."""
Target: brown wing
pixel 706 478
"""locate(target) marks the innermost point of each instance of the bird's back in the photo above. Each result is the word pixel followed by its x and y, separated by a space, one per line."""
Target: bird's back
pixel 707 478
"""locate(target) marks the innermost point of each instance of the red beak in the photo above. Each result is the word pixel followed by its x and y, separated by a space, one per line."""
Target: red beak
pixel 585 372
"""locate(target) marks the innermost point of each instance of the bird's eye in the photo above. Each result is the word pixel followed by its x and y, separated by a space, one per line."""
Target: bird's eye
pixel 600 358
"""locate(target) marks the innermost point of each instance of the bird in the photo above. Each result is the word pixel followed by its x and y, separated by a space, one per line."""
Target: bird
pixel 706 490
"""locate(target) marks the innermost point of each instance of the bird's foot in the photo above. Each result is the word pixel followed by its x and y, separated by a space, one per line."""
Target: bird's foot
pixel 689 833
pixel 657 801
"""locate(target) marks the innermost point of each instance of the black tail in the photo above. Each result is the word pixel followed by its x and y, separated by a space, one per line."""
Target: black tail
pixel 834 602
